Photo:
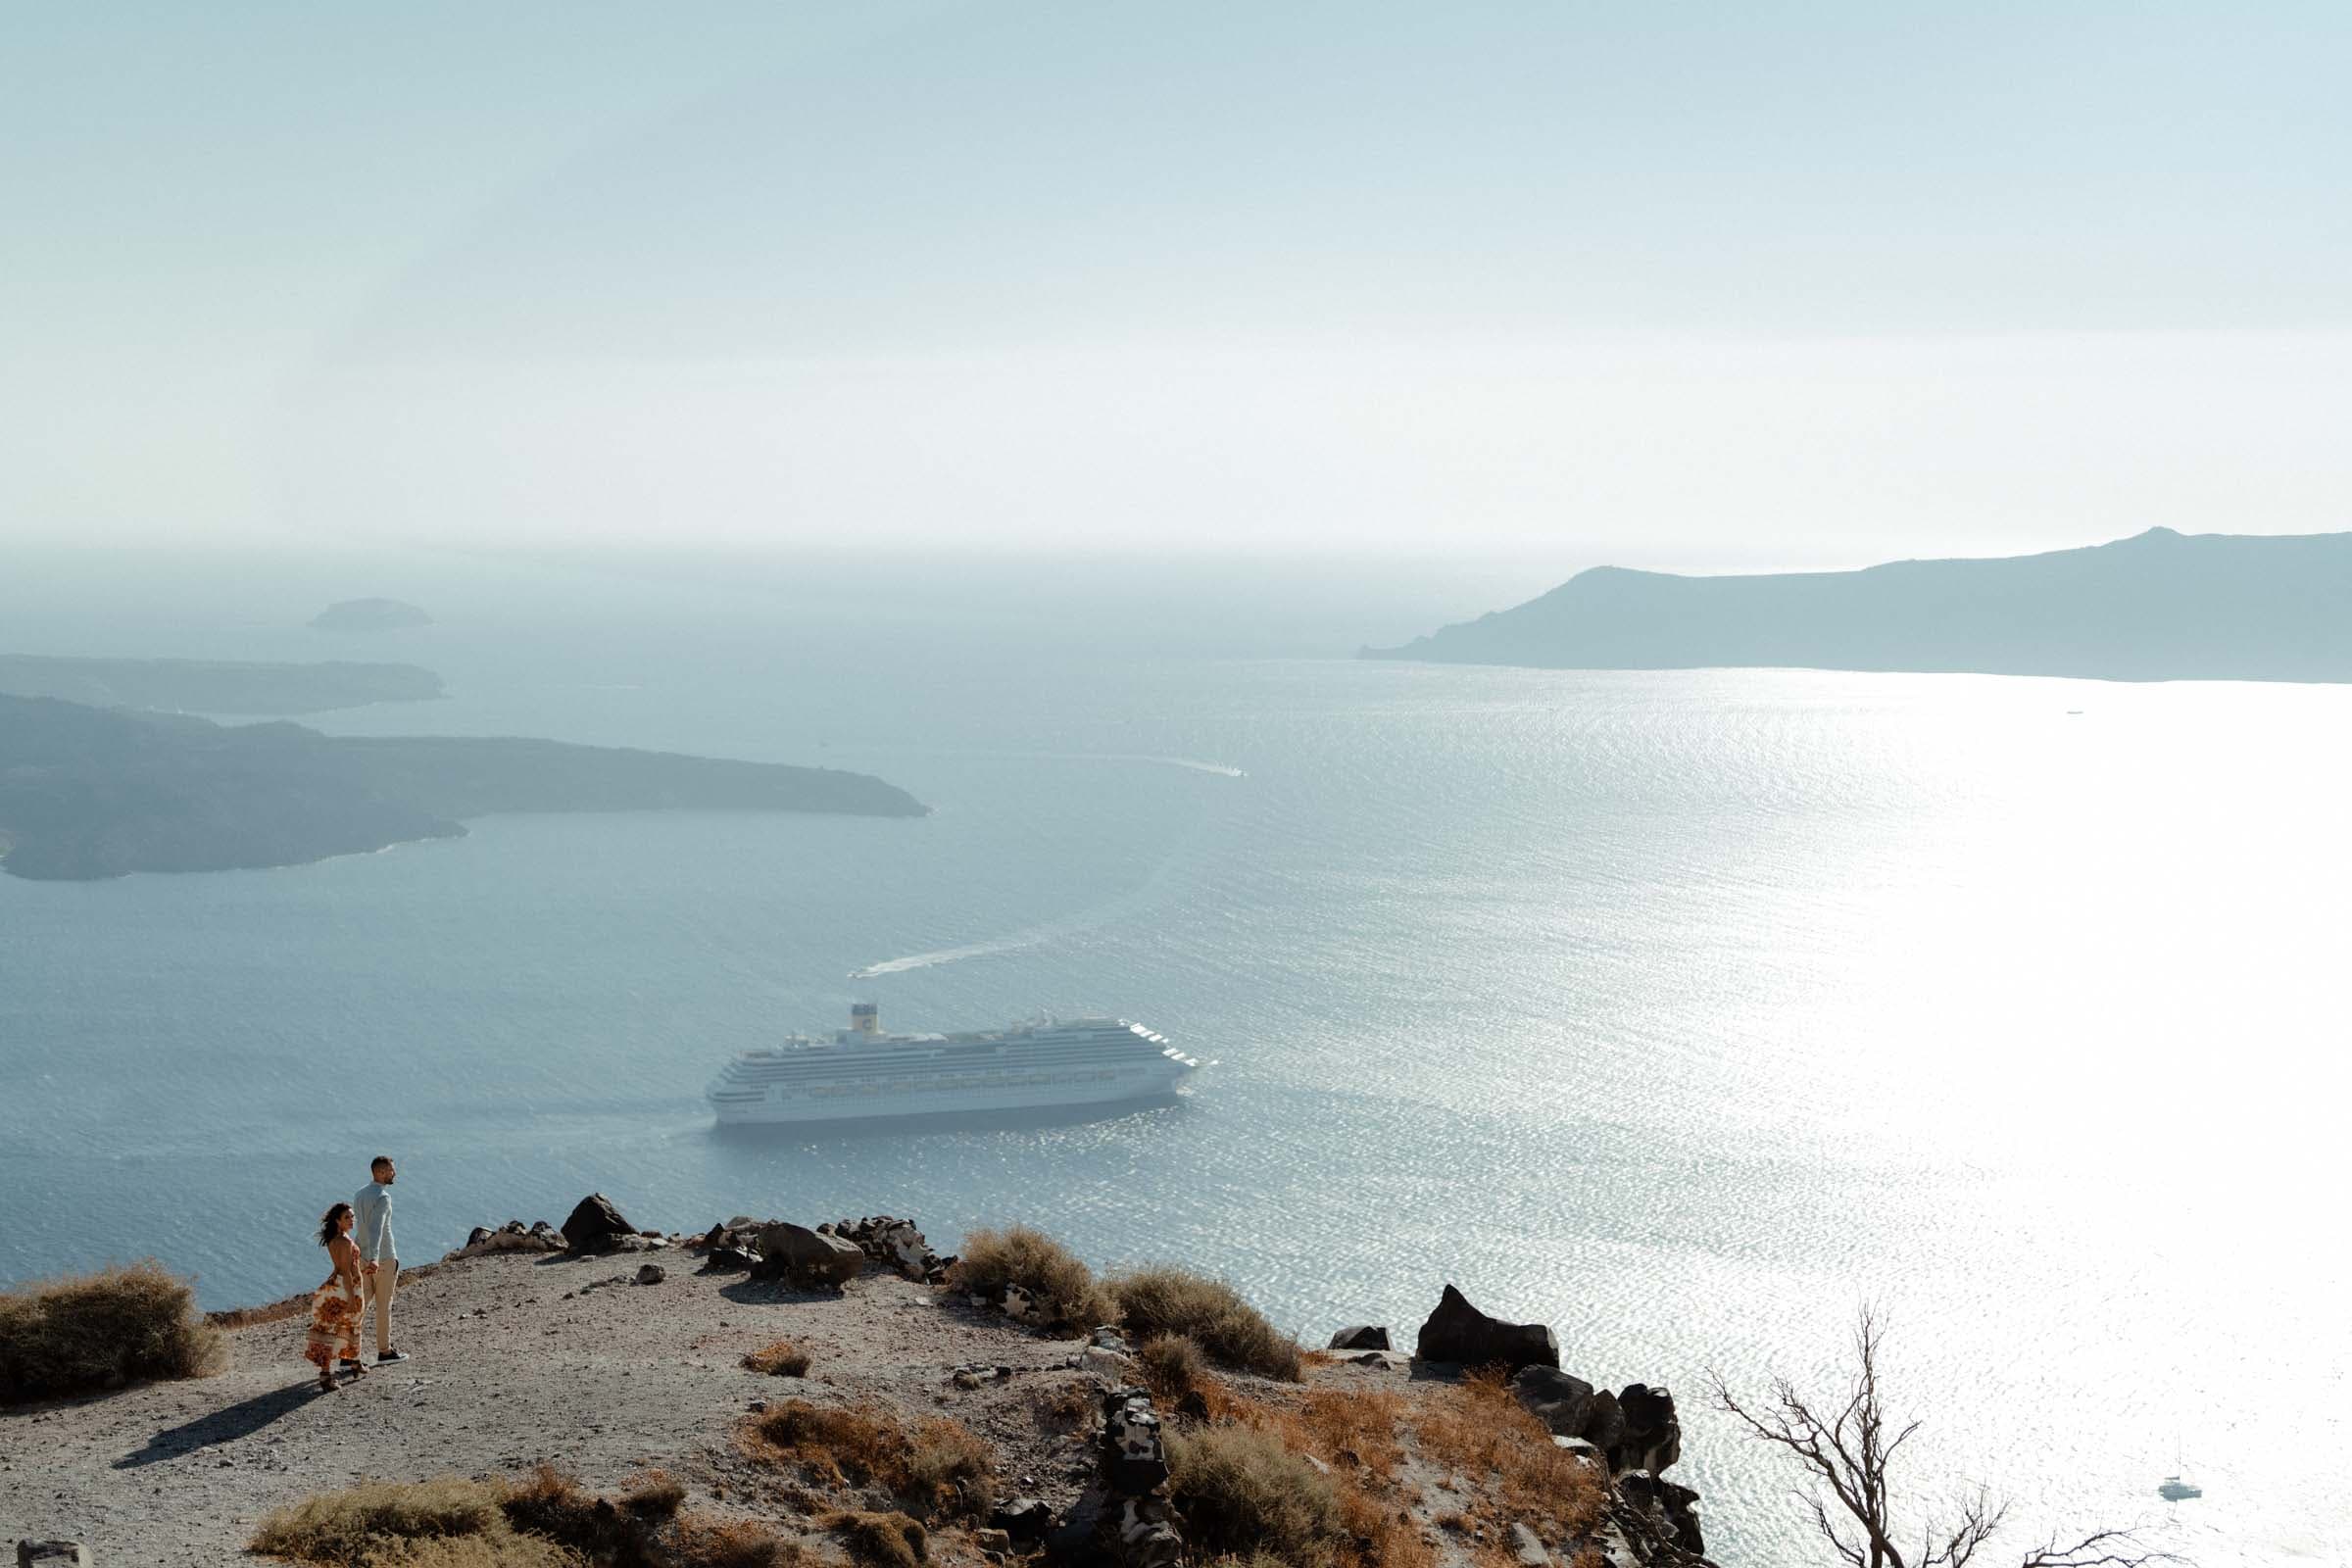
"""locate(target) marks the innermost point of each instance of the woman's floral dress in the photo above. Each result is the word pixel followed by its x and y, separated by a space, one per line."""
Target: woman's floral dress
pixel 334 1322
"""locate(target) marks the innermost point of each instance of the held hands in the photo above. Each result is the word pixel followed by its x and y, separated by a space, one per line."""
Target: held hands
pixel 366 1269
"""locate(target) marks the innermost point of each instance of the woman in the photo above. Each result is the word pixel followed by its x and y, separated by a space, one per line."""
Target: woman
pixel 335 1306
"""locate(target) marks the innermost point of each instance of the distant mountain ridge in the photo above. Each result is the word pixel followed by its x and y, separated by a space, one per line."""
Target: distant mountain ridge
pixel 88 793
pixel 2158 605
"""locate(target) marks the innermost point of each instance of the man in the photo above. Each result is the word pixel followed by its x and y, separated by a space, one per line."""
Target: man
pixel 379 1260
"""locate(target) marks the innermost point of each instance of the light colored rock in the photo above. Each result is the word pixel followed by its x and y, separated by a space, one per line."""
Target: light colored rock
pixel 52 1554
pixel 1528 1548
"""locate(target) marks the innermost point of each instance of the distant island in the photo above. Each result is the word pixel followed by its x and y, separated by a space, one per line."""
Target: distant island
pixel 87 793
pixel 214 686
pixel 370 614
pixel 2159 606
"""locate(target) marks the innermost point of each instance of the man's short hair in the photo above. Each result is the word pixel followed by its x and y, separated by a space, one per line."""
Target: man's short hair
pixel 379 1162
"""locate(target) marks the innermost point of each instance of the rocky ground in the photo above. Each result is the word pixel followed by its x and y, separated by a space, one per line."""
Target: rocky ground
pixel 523 1357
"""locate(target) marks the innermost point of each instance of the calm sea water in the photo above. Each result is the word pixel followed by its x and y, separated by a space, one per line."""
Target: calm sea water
pixel 1681 1010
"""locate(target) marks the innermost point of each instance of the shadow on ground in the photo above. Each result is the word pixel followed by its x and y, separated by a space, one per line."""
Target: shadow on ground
pixel 240 1420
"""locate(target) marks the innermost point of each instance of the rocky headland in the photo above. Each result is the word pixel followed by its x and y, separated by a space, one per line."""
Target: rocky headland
pixel 88 793
pixel 2159 606
pixel 771 1393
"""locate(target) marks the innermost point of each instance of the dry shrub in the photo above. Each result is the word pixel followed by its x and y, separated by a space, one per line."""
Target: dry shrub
pixel 504 1550
pixel 653 1495
pixel 1213 1313
pixel 1071 1297
pixel 781 1359
pixel 1069 1404
pixel 1359 1428
pixel 100 1331
pixel 1477 1428
pixel 1242 1490
pixel 858 1445
pixel 1173 1366
pixel 880 1540
pixel 734 1543
pixel 375 1516
pixel 1382 1534
pixel 943 1469
pixel 949 1470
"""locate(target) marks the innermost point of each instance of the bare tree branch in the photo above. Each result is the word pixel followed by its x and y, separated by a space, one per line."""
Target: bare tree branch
pixel 1849 1456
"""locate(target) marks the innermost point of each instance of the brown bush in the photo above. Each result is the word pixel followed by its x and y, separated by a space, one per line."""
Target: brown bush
pixel 1242 1490
pixel 1173 1366
pixel 1072 1300
pixel 781 1359
pixel 374 1517
pixel 1233 1334
pixel 102 1330
pixel 737 1544
pixel 1508 1455
pixel 949 1470
pixel 859 1446
pixel 506 1551
pixel 880 1540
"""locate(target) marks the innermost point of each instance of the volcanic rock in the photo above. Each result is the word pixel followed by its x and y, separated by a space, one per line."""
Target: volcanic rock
pixel 595 1226
pixel 1456 1331
pixel 1654 1437
pixel 1361 1337
pixel 1562 1402
pixel 806 1257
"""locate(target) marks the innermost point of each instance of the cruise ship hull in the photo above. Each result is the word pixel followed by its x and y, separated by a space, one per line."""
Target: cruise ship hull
pixel 1029 1074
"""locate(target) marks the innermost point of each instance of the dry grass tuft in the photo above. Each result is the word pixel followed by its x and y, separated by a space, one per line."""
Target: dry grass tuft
pixel 781 1359
pixel 942 1470
pixel 735 1543
pixel 1073 1300
pixel 1354 1428
pixel 857 1446
pixel 950 1471
pixel 880 1540
pixel 653 1495
pixel 1213 1313
pixel 375 1516
pixel 506 1551
pixel 102 1330
pixel 1508 1455
pixel 1173 1366
pixel 1242 1490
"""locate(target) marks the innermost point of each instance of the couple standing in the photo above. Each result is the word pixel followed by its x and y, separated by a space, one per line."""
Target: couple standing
pixel 358 1237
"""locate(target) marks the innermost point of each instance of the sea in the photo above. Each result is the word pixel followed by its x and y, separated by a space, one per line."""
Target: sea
pixel 1687 1012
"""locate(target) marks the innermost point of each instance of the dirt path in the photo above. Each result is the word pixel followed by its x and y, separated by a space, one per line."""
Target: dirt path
pixel 518 1359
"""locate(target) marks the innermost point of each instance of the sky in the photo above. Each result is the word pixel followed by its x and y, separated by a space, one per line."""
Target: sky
pixel 1692 285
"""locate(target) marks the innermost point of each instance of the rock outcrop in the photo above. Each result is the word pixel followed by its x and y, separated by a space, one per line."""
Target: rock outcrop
pixel 512 1236
pixel 1653 1438
pixel 1460 1333
pixel 1361 1337
pixel 806 1256
pixel 595 1226
pixel 894 1244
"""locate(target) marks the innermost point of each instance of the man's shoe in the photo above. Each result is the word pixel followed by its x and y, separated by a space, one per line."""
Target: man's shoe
pixel 391 1355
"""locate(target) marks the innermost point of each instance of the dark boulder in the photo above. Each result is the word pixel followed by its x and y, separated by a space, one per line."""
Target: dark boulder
pixel 1604 1425
pixel 1023 1519
pixel 595 1226
pixel 1673 1508
pixel 806 1256
pixel 1562 1402
pixel 1654 1437
pixel 1456 1331
pixel 730 1261
pixel 1361 1337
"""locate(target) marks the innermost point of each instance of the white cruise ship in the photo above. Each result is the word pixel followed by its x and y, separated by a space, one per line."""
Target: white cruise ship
pixel 861 1074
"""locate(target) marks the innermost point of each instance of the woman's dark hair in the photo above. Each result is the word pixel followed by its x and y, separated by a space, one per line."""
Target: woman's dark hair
pixel 328 1230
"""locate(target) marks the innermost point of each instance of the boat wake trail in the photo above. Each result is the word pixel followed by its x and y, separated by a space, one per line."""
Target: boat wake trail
pixel 924 961
pixel 1221 769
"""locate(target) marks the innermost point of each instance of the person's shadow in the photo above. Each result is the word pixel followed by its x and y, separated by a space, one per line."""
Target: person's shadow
pixel 226 1425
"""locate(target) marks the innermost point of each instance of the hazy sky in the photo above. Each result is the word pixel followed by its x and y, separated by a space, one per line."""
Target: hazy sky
pixel 1662 284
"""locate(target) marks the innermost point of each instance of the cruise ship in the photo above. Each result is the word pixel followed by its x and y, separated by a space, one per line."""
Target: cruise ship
pixel 1072 1066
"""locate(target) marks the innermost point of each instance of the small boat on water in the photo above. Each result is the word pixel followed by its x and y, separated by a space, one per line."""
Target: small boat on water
pixel 2175 1489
